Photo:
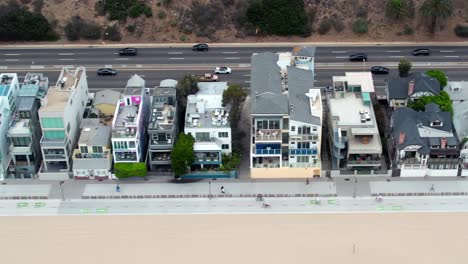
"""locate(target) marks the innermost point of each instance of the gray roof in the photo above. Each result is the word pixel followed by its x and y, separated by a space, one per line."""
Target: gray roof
pixel 91 164
pixel 305 51
pixel 25 103
pixel 407 121
pixel 135 85
pixel 106 97
pixel 168 83
pixel 460 119
pixel 95 135
pixel 462 90
pixel 299 83
pixel 265 85
pixel 398 86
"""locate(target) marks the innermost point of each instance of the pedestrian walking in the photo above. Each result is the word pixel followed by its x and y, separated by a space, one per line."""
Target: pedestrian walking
pixel 432 188
pixel 307 181
pixel 117 188
pixel 222 189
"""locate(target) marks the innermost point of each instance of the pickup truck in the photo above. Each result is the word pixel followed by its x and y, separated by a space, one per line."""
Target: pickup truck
pixel 208 77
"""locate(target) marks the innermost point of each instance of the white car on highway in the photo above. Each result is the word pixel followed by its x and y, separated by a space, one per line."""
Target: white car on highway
pixel 222 70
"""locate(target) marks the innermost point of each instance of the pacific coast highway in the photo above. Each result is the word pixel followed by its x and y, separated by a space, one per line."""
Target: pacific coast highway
pixel 155 64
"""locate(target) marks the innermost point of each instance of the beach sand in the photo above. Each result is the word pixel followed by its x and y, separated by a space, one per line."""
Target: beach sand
pixel 276 238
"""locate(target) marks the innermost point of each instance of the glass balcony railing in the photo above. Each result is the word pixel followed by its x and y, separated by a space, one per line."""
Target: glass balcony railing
pixel 268 151
pixel 303 152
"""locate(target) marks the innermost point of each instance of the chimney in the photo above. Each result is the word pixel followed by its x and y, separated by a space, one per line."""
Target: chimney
pixel 443 143
pixel 410 87
pixel 401 139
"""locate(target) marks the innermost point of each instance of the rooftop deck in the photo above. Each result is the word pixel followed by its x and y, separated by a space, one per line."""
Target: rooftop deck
pixel 19 127
pixel 211 118
pixel 162 116
pixel 126 121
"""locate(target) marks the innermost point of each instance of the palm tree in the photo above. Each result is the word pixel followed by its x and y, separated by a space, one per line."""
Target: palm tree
pixel 437 11
pixel 396 9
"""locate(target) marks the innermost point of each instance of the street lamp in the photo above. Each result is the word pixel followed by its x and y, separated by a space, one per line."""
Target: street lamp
pixel 364 64
pixel 355 183
pixel 61 190
pixel 209 189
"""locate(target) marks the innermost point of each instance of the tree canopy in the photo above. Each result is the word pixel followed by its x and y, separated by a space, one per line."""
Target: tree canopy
pixel 443 100
pixel 20 24
pixel 278 17
pixel 440 76
pixel 404 67
pixel 396 9
pixel 182 154
pixel 436 11
pixel 234 97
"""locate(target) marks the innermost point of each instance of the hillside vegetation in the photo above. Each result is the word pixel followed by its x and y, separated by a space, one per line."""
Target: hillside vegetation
pixel 234 20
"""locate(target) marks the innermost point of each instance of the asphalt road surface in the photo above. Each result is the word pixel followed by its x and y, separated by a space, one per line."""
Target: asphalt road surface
pixel 156 64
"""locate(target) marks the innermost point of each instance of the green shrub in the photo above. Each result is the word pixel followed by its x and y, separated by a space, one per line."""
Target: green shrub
pixel 130 28
pixel 161 14
pixel 136 10
pixel 38 5
pixel 147 11
pixel 337 23
pixel 324 26
pixel 408 30
pixel 91 31
pixel 206 18
pixel 25 2
pixel 71 32
pixel 112 33
pixel 118 9
pixel 128 170
pixel 78 28
pixel 20 24
pixel 360 26
pixel 278 17
pixel 461 31
pixel 183 38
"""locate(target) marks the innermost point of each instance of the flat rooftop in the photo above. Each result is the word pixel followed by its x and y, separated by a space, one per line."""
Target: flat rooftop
pixel 346 111
pixel 58 95
pixel 19 126
pixel 162 116
pixel 127 116
pixel 5 82
pixel 214 117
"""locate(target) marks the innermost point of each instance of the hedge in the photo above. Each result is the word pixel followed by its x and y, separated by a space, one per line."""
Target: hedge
pixel 128 170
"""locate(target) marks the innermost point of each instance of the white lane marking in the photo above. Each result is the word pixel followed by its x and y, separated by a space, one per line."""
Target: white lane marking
pixel 11 54
pixel 232 58
pixel 66 59
pixel 447 51
pixel 176 52
pixel 341 57
pixel 247 81
pixel 108 66
pixel 115 53
pixel 3 67
pixel 230 52
pixel 394 51
pixel 247 75
pixel 451 56
pixel 339 51
pixel 243 65
pixel 396 56
pixel 36 67
pixel 139 66
pixel 12 60
pixel 121 58
pixel 66 54
pixel 177 58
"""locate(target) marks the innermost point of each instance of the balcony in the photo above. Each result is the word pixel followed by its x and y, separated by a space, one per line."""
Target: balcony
pixel 267 151
pixel 287 164
pixel 124 132
pixel 53 142
pixel 303 152
pixel 433 161
pixel 304 137
pixel 207 158
pixel 268 135
pixel 126 156
pixel 364 162
pixel 20 150
pixel 55 156
pixel 78 155
pixel 160 157
pixel 161 144
pixel 410 161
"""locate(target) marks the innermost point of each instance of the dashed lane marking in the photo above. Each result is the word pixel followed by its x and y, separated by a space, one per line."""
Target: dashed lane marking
pixel 22 205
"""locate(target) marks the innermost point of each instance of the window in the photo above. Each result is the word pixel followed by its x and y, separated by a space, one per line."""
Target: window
pixel 303 145
pixel 299 130
pixel 131 144
pixel 225 146
pixel 223 134
pixel 314 129
pixel 97 149
pixel 57 134
pixel 21 141
pixel 302 159
pixel 293 128
pixel 56 122
pixel 202 136
pixel 120 145
pixel 436 123
pixel 25 114
pixel 434 147
pixel 303 130
pixel 83 149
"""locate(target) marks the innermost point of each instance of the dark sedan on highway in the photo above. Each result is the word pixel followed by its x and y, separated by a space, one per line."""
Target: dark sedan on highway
pixel 358 57
pixel 128 52
pixel 200 47
pixel 379 70
pixel 106 71
pixel 421 52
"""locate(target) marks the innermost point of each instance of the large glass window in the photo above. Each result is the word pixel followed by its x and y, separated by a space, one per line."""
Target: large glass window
pixel 303 145
pixel 97 149
pixel 21 141
pixel 83 149
pixel 120 145
pixel 55 122
pixel 268 124
pixel 131 144
pixel 56 134
pixel 202 136
pixel 223 134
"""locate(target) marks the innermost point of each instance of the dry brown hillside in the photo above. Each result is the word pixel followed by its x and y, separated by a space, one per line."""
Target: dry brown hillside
pixel 177 22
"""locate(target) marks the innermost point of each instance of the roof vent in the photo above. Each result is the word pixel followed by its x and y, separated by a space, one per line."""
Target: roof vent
pixel 401 139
